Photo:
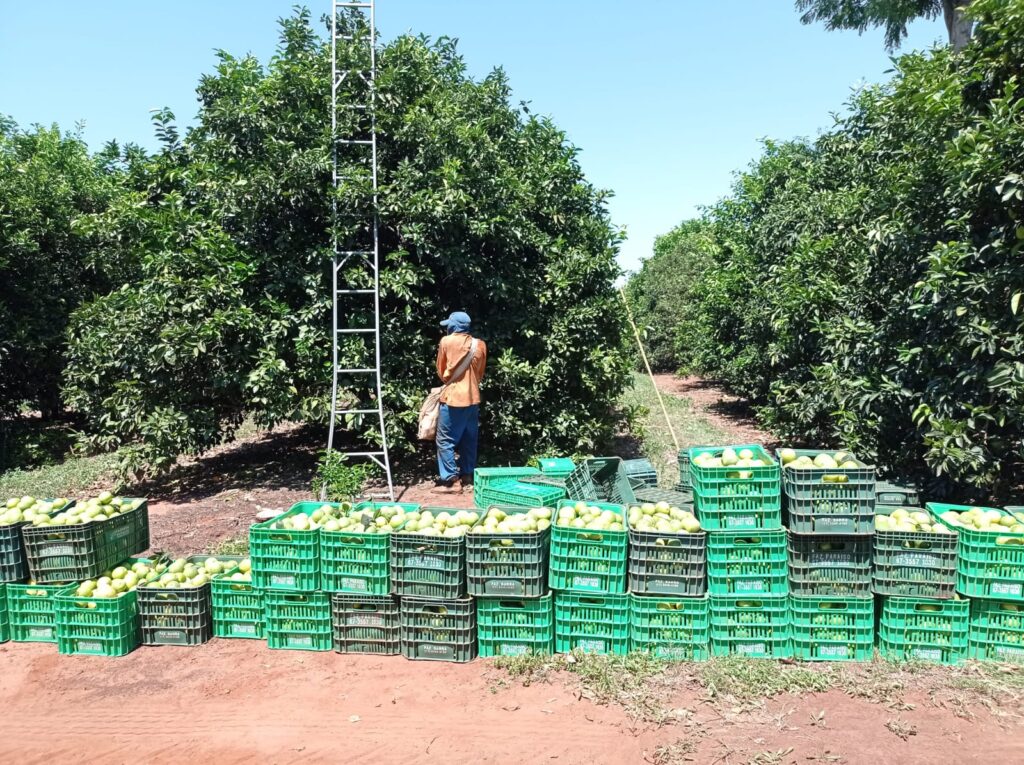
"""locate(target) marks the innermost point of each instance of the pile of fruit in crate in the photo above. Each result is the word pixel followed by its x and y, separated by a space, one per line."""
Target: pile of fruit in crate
pixel 785 555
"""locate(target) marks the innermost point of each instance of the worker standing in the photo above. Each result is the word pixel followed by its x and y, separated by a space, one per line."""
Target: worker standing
pixel 461 359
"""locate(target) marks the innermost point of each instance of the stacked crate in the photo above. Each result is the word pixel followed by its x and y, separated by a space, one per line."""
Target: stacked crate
pixel 830 519
pixel 740 507
pixel 520 486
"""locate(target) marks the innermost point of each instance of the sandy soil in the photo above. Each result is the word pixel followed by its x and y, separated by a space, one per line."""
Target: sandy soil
pixel 727 412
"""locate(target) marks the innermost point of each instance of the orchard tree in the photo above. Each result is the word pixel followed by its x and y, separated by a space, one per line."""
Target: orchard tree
pixel 892 15
pixel 483 208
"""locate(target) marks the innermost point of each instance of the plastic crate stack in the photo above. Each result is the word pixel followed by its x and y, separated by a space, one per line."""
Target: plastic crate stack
pixel 520 486
pixel 830 519
pixel 740 508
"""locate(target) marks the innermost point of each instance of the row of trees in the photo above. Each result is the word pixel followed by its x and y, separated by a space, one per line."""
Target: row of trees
pixel 865 288
pixel 211 257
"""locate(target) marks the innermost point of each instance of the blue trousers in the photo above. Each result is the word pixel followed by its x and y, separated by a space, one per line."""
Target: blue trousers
pixel 458 429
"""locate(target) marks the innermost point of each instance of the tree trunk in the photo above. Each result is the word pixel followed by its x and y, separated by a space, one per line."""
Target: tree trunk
pixel 959 28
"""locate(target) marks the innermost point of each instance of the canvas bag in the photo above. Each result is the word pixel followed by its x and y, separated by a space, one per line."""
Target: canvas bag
pixel 430 411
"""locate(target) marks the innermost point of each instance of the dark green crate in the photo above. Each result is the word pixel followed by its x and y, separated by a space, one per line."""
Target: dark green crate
pixel 755 627
pixel 13 563
pixel 985 568
pixel 74 553
pixel 912 563
pixel 556 467
pixel 683 460
pixel 832 629
pixel 442 629
pixel 176 615
pixel 428 566
pixel 896 494
pixel 514 492
pixel 667 564
pixel 599 479
pixel 586 560
pixel 284 559
pixel 237 608
pixel 669 628
pixel 97 626
pixel 358 562
pixel 507 565
pixel 751 563
pixel 365 624
pixel 817 502
pixel 641 469
pixel 5 624
pixel 644 494
pixel 591 623
pixel 515 627
pixel 996 631
pixel 830 564
pixel 31 611
pixel 800 481
pixel 924 629
pixel 298 621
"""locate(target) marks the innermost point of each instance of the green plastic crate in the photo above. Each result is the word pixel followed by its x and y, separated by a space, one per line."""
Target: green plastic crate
pixel 556 467
pixel 830 564
pixel 507 565
pixel 176 615
pixel 895 494
pixel 585 560
pixel 5 624
pixel 600 479
pixel 591 623
pixel 298 621
pixel 31 611
pixel 514 492
pixel 996 631
pixel 428 566
pixel 683 460
pixel 98 626
pixel 913 564
pixel 640 469
pixel 755 627
pixel 749 563
pixel 924 629
pixel 358 562
pixel 985 568
pixel 13 563
pixel 237 607
pixel 515 626
pixel 832 629
pixel 487 476
pixel 542 480
pixel 817 503
pixel 284 559
pixel 365 624
pixel 438 629
pixel 667 564
pixel 669 628
pixel 737 499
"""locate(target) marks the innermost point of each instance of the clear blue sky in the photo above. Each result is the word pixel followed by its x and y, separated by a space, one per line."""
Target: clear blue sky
pixel 666 98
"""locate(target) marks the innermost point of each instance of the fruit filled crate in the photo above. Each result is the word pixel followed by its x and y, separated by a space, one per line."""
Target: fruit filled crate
pixel 588 559
pixel 298 621
pixel 504 563
pixel 757 628
pixel 359 561
pixel 669 628
pixel 600 479
pixel 32 613
pixel 98 626
pixel 736 496
pixel 591 623
pixel 827 492
pixel 899 495
pixel 365 624
pixel 237 607
pixel 79 551
pixel 832 629
pixel 747 562
pixel 438 629
pixel 640 469
pixel 996 631
pixel 17 514
pixel 924 629
pixel 174 613
pixel 286 558
pixel 667 563
pixel 830 564
pixel 556 467
pixel 515 492
pixel 428 566
pixel 515 627
pixel 919 564
pixel 990 564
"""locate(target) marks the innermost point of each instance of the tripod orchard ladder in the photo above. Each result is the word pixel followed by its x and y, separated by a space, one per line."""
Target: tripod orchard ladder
pixel 355 234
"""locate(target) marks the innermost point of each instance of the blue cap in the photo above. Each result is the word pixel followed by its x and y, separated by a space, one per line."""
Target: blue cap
pixel 459 319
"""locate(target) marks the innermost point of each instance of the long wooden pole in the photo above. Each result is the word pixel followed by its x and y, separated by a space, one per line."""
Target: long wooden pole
pixel 643 355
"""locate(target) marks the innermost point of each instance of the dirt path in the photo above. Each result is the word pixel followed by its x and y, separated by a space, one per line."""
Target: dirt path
pixel 726 412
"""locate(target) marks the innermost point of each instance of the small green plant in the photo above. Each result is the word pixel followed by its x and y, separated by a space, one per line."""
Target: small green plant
pixel 343 481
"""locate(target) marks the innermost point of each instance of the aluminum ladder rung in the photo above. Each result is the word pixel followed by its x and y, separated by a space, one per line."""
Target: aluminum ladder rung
pixel 356 331
pixel 357 411
pixel 356 292
pixel 356 371
pixel 355 141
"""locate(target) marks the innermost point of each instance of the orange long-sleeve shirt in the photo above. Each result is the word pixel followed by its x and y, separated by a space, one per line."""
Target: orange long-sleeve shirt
pixel 451 351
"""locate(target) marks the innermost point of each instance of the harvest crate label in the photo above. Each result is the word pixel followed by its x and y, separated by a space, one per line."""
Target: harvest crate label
pixel 751 648
pixel 55 548
pixel 598 646
pixel 243 629
pixel 836 558
pixel 1006 588
pixel 514 649
pixel 120 533
pixel 741 522
pixel 750 585
pixel 834 524
pixel 43 633
pixel 432 650
pixel 674 651
pixel 300 641
pixel 171 636
pixel 928 654
pixel 503 587
pixel 591 582
pixel 359 585
pixel 365 620
pixel 929 560
pixel 284 580
pixel 425 561
pixel 834 651
pixel 1013 653
pixel 90 645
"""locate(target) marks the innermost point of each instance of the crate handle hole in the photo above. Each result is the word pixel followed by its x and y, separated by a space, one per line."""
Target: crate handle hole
pixel 517 605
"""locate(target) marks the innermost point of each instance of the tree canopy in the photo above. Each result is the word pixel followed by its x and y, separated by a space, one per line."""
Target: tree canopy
pixel 892 15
